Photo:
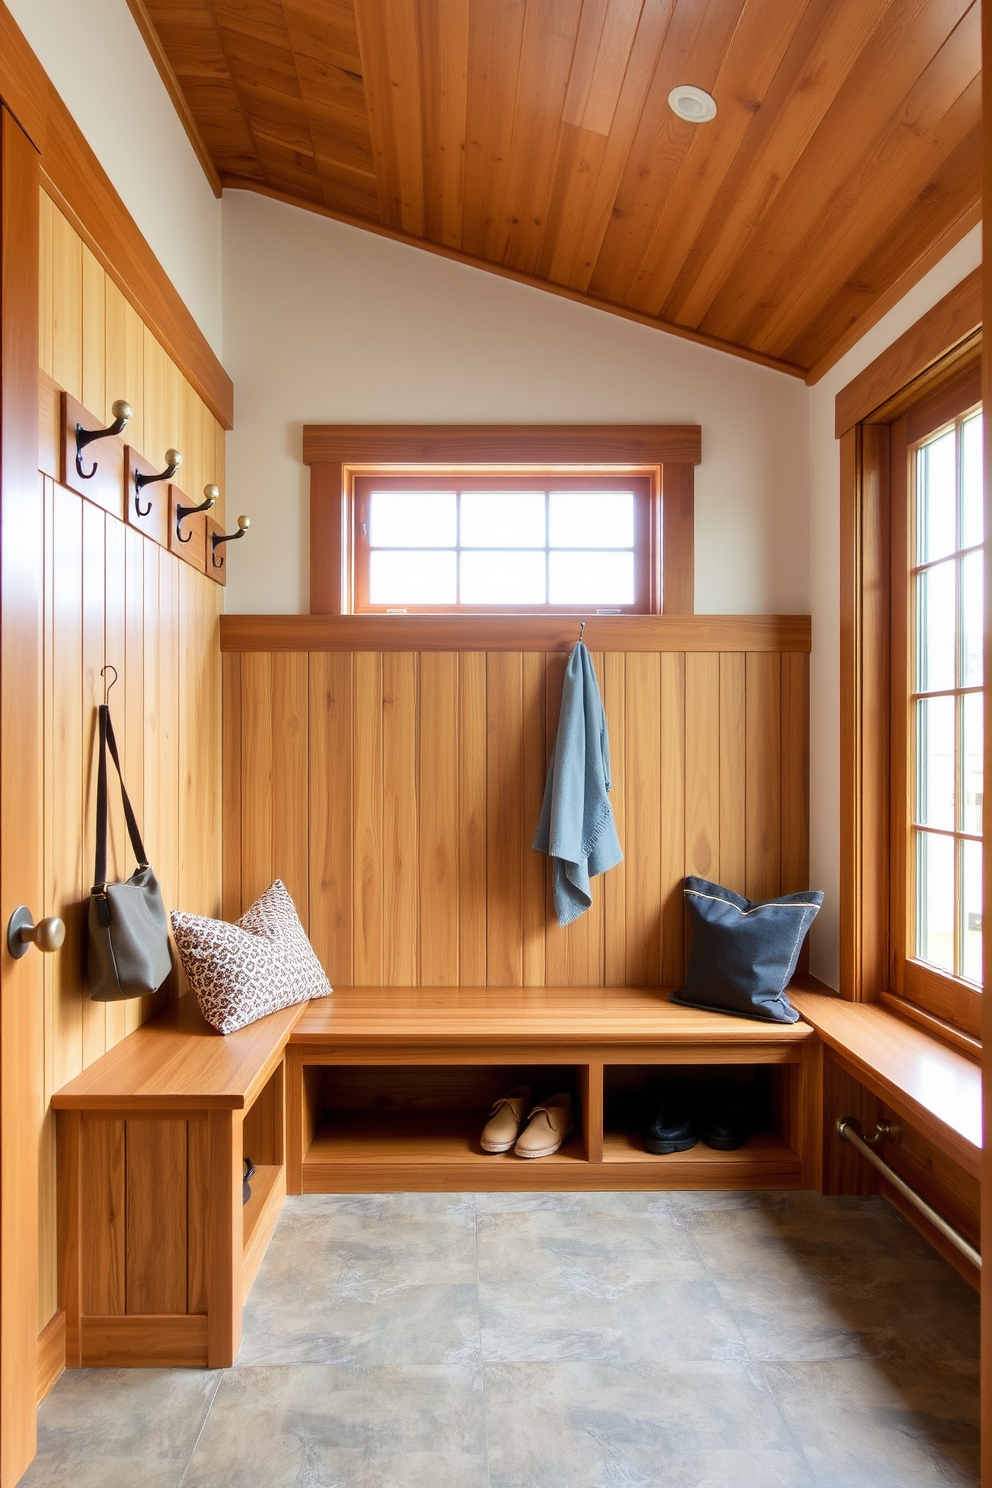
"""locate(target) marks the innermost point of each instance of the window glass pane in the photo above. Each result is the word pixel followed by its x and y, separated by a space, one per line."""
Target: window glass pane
pixel 502 519
pixel 935 762
pixel 936 628
pixel 935 900
pixel 972 738
pixel 591 578
pixel 591 519
pixel 971 906
pixel 936 499
pixel 412 519
pixel 972 620
pixel 503 578
pixel 412 578
pixel 972 506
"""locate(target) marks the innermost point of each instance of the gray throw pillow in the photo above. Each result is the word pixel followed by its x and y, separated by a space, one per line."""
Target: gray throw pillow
pixel 744 954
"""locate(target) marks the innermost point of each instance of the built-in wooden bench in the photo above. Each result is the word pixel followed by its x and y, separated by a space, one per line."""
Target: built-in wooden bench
pixel 388 1088
pixel 878 1066
pixel 156 1250
pixel 927 1083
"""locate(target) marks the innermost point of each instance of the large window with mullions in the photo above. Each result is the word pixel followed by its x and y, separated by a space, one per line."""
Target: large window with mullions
pixel 937 713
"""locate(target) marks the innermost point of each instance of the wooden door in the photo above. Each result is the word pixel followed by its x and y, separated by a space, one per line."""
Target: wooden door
pixel 21 781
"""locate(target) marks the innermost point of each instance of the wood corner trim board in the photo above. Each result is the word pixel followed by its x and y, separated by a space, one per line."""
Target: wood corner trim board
pixel 77 182
pixel 657 633
pixel 950 330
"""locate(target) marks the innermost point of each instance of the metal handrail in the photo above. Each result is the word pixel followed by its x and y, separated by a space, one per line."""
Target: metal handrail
pixel 849 1130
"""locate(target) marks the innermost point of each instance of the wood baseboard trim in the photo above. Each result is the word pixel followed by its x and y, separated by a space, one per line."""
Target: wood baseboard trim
pixel 51 1355
pixel 144 1341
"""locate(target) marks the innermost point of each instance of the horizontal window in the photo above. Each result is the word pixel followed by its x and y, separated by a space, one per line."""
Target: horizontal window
pixel 518 544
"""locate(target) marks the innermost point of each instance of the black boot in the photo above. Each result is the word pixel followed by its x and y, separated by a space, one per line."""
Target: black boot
pixel 725 1117
pixel 671 1126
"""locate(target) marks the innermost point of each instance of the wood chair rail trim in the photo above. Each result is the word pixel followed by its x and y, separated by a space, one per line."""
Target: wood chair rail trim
pixel 246 633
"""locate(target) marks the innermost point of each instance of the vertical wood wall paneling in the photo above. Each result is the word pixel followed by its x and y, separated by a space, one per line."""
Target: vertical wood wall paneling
pixel 426 774
pixel 643 847
pixel 110 596
pixel 331 786
pixel 473 811
pixel 673 819
pixel 614 883
pixel 367 819
pixel 733 825
pixel 763 787
pixel 400 820
pixel 440 820
pixel 504 838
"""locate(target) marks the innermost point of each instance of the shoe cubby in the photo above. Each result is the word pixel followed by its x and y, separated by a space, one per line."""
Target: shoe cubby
pixel 365 1120
pixel 631 1093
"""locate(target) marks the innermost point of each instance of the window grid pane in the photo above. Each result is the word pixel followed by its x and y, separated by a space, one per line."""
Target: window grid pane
pixel 528 549
pixel 947 702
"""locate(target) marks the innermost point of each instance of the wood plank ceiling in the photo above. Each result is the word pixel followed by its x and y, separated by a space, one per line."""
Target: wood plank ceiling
pixel 535 136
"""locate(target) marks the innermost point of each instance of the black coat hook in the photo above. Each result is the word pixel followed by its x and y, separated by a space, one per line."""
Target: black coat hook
pixel 107 686
pixel 173 460
pixel 122 412
pixel 216 538
pixel 212 494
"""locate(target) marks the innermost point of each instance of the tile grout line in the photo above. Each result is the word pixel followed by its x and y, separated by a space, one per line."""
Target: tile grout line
pixel 203 1424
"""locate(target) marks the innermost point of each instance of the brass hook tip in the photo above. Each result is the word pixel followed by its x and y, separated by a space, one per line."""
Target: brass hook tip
pixel 122 409
pixel 244 523
pixel 173 457
pixel 212 492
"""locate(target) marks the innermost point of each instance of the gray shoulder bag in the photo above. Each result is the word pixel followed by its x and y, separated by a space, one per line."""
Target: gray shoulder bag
pixel 128 953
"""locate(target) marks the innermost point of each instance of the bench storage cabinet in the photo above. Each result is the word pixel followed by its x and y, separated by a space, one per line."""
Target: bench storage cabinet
pixel 156 1250
pixel 389 1087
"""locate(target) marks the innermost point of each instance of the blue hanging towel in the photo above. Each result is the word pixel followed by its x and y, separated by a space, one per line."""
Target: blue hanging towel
pixel 576 828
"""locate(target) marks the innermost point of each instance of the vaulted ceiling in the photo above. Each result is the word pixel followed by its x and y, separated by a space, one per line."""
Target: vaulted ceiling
pixel 535 136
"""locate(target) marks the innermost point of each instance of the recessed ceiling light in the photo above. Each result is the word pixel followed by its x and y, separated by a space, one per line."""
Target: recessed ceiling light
pixel 692 104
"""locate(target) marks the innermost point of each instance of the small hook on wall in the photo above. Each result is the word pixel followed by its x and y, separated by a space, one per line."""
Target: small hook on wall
pixel 107 685
pixel 217 538
pixel 211 495
pixel 582 626
pixel 173 460
pixel 122 412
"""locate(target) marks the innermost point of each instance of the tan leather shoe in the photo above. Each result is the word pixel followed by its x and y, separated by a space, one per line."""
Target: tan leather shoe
pixel 547 1127
pixel 505 1120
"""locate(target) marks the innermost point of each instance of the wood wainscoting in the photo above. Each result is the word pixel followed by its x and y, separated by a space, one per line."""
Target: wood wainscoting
pixel 396 791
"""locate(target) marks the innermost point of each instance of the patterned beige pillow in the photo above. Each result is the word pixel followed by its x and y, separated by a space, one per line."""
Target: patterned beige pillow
pixel 241 972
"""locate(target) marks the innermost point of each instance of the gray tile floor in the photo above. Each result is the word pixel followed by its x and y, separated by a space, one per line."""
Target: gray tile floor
pixel 605 1340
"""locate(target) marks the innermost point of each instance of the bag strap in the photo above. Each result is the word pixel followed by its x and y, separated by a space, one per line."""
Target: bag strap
pixel 107 741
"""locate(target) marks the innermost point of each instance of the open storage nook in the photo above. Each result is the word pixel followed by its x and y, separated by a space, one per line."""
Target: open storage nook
pixel 389 1089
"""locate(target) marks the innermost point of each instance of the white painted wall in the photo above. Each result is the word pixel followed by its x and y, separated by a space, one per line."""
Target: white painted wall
pixel 824 542
pixel 95 56
pixel 324 323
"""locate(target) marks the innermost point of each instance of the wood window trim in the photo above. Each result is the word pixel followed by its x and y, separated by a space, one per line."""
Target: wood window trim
pixel 335 453
pixel 869 448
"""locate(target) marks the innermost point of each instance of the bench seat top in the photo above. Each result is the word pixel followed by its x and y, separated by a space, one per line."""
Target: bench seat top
pixel 176 1061
pixel 928 1084
pixel 570 1016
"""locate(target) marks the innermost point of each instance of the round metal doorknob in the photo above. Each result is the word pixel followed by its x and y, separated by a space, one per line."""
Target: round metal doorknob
pixel 47 935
